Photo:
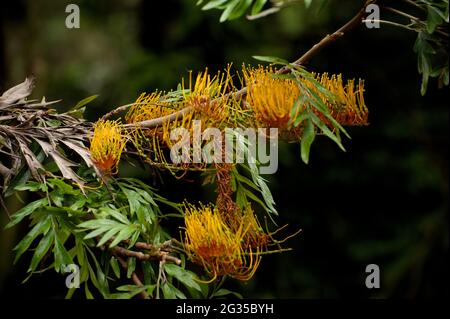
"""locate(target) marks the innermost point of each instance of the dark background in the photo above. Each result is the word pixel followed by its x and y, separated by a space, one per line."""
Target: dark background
pixel 384 201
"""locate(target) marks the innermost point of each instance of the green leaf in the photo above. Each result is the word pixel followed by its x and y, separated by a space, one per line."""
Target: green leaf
pixel 64 187
pixel 240 9
pixel 131 266
pixel 171 292
pixel 224 292
pixel 88 292
pixel 307 139
pixel 229 10
pixel 133 199
pixel 434 18
pixel 62 257
pixel 84 102
pixel 32 187
pixel 124 234
pixel 149 272
pixel 116 214
pixel 108 235
pixel 115 266
pixel 103 285
pixel 41 249
pixel 213 4
pixel 257 6
pixel 42 227
pixel 326 130
pixel 270 59
pixel 184 276
pixel 26 211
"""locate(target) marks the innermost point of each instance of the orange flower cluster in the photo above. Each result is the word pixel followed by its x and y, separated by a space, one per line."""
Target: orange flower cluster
pixel 349 108
pixel 272 98
pixel 220 248
pixel 107 145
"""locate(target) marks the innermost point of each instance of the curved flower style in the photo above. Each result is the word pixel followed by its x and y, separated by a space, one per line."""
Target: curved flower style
pixel 107 145
pixel 210 242
pixel 208 97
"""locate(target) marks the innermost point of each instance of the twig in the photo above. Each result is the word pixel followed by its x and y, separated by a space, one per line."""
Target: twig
pixel 395 24
pixel 331 38
pixel 412 18
pixel 115 111
pixel 414 4
pixel 158 255
pixel 124 107
pixel 160 120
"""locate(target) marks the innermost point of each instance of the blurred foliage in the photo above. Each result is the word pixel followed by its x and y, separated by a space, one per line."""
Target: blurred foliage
pixel 384 201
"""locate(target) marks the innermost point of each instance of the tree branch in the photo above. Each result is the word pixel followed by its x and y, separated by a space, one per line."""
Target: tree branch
pixel 331 38
pixel 156 255
pixel 326 41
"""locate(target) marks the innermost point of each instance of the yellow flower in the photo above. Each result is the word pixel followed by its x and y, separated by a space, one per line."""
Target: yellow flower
pixel 349 108
pixel 208 97
pixel 210 242
pixel 107 145
pixel 270 98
